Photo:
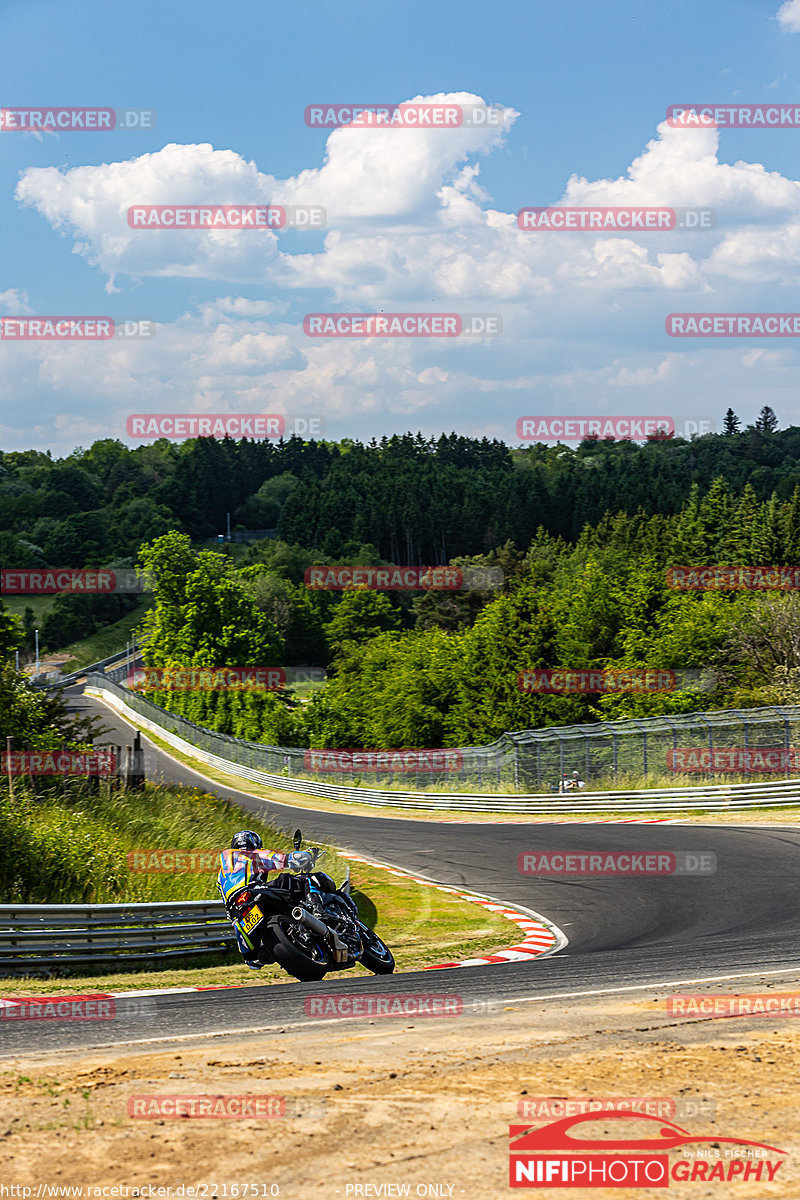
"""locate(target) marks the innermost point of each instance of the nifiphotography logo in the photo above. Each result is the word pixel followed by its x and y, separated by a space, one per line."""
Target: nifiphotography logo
pixel 556 1156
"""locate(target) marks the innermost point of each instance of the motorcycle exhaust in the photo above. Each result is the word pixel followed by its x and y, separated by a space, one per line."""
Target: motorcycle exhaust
pixel 310 921
pixel 313 923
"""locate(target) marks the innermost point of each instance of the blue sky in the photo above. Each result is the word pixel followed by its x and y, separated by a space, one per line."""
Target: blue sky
pixel 417 221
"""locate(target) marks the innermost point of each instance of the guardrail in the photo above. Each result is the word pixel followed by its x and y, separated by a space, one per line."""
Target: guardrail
pixel 44 935
pixel 782 793
pixel 53 680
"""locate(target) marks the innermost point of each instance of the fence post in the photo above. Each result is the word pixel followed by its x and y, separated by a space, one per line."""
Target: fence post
pixel 9 752
pixel 34 781
pixel 65 786
pixel 136 777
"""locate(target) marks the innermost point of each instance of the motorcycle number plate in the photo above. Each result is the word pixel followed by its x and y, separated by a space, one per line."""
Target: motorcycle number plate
pixel 252 919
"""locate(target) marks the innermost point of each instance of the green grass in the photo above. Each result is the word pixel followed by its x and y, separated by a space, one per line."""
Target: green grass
pixel 304 691
pixel 74 847
pixel 421 925
pixel 41 606
pixel 106 641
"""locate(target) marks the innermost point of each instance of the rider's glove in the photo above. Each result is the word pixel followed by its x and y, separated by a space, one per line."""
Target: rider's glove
pixel 299 860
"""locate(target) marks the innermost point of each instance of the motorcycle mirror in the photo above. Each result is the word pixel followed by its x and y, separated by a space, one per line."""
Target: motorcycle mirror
pixel 298 839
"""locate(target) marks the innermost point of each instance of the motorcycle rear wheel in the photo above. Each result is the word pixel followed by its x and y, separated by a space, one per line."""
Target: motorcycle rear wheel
pixel 298 950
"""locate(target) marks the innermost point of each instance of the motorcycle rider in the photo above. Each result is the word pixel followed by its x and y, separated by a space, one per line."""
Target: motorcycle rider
pixel 249 844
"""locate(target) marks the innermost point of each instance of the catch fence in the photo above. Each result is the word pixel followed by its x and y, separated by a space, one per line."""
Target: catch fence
pixel 736 745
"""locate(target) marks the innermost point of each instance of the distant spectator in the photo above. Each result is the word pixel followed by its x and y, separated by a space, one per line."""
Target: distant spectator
pixel 571 783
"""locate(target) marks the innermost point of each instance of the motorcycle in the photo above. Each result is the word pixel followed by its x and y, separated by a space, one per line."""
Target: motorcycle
pixel 300 919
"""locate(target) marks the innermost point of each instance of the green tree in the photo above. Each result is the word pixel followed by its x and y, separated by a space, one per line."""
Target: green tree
pixel 744 526
pixel 766 422
pixel 40 719
pixel 12 635
pixel 731 424
pixel 393 691
pixel 203 615
pixel 510 636
pixel 359 616
pixel 791 528
pixel 767 543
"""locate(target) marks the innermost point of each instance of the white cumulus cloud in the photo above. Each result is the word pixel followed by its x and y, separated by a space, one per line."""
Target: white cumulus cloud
pixel 789 16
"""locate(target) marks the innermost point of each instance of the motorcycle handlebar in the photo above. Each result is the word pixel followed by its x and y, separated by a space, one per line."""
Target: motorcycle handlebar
pixel 315 854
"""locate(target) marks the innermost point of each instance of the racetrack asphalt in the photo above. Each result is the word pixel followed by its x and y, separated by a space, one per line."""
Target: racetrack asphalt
pixel 625 932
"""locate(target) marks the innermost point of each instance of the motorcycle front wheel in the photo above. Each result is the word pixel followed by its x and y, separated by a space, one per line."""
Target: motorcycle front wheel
pixel 298 950
pixel 376 955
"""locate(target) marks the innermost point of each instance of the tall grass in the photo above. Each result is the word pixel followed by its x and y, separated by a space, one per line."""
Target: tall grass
pixel 72 846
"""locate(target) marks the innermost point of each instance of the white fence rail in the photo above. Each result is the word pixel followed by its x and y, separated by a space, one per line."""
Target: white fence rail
pixel 663 801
